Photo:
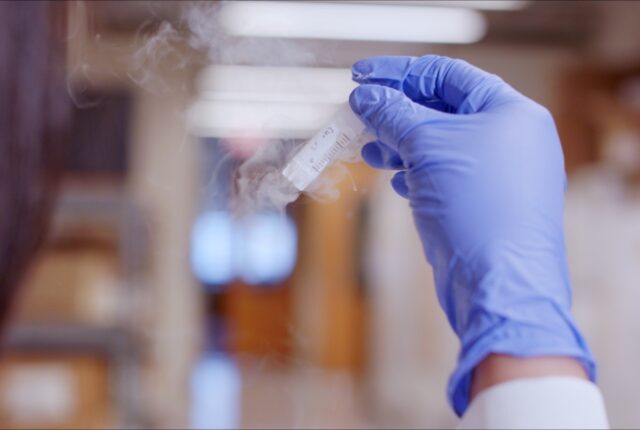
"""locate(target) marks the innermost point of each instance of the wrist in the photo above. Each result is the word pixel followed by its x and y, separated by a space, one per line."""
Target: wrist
pixel 499 368
pixel 551 333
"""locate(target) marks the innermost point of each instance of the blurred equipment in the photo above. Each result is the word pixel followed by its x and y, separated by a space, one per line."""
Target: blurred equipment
pixel 76 347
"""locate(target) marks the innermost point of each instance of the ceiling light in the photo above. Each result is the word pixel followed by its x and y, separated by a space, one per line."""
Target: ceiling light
pixel 353 21
pixel 470 4
pixel 279 84
pixel 267 102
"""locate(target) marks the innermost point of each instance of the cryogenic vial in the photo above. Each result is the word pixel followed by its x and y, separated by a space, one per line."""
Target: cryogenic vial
pixel 320 151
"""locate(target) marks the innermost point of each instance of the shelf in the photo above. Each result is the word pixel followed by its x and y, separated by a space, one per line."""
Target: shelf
pixel 119 347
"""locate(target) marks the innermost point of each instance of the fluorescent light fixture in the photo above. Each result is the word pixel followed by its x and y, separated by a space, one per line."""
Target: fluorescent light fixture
pixel 258 119
pixel 470 4
pixel 267 102
pixel 353 21
pixel 275 84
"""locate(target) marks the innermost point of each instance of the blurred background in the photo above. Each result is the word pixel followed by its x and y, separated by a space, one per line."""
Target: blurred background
pixel 153 306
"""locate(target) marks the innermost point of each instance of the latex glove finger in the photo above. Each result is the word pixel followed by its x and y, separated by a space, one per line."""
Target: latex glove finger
pixel 399 184
pixel 463 87
pixel 391 72
pixel 381 156
pixel 388 113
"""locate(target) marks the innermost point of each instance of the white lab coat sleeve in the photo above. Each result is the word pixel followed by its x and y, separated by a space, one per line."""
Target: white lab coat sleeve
pixel 540 403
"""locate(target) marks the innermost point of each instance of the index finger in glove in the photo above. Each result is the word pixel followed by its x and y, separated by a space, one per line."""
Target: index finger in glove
pixel 442 83
pixel 388 113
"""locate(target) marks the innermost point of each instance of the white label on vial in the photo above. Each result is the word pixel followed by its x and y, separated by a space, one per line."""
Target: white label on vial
pixel 324 149
pixel 317 154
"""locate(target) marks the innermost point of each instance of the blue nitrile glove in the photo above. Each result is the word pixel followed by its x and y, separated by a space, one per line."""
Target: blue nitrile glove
pixel 483 169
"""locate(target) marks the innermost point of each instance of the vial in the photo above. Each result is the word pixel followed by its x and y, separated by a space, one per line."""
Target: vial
pixel 318 153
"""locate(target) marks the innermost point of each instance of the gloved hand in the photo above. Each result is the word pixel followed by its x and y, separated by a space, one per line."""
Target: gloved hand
pixel 483 170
